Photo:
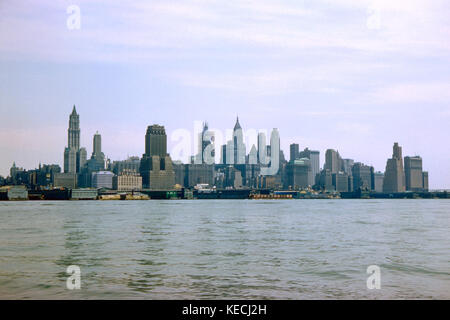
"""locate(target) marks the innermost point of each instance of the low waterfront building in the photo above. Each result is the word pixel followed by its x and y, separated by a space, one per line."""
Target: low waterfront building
pixel 83 194
pixel 102 179
pixel 127 180
pixel 16 192
pixel 65 180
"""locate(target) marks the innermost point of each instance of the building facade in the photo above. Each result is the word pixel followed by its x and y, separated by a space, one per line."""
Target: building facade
pixel 102 179
pixel 362 176
pixel 156 165
pixel 298 174
pixel 127 180
pixel 413 174
pixel 394 176
pixel 74 156
pixel 314 157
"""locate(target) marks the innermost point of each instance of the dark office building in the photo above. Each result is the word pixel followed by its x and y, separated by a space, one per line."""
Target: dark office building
pixel 199 174
pixel 425 180
pixel 180 173
pixel 324 180
pixel 156 165
pixel 298 174
pixel 130 164
pixel 362 176
pixel 294 152
pixel 340 181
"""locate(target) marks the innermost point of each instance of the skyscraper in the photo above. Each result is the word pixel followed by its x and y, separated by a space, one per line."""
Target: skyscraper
pixel 362 176
pixel 97 162
pixel 74 157
pixel 298 174
pixel 413 173
pixel 394 176
pixel 314 156
pixel 347 165
pixel 238 144
pixel 332 161
pixel 294 152
pixel 377 184
pixel 156 165
pixel 206 152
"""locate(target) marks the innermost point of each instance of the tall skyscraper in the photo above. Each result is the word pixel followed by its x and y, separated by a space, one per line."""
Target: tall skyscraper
pixel 206 152
pixel 238 144
pixel 73 132
pixel 156 165
pixel 413 174
pixel 294 152
pixel 74 157
pixel 262 155
pixel 394 176
pixel 223 154
pixel 332 161
pixel 97 161
pixel 314 156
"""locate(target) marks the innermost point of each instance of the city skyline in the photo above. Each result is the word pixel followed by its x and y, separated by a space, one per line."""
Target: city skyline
pixel 354 76
pixel 336 173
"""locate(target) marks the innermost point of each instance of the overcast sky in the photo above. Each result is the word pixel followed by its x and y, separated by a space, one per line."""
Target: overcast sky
pixel 351 75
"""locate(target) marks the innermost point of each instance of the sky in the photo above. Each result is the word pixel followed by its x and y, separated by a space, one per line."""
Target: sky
pixel 350 75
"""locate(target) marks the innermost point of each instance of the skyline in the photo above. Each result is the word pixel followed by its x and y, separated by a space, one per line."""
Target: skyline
pixel 318 71
pixel 75 155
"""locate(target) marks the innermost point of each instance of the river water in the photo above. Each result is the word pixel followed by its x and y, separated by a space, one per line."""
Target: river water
pixel 225 249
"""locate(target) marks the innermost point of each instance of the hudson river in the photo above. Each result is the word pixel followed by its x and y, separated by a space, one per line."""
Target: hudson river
pixel 225 249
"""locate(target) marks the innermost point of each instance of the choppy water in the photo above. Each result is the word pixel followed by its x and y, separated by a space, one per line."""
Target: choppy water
pixel 225 249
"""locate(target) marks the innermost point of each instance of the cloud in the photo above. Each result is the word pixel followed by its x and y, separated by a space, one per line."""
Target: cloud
pixel 139 29
pixel 414 93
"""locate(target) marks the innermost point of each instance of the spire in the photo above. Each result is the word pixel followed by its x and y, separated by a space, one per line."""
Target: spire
pixel 237 125
pixel 74 110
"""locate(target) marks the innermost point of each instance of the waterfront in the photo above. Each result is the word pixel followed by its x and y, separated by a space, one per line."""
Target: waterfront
pixel 219 249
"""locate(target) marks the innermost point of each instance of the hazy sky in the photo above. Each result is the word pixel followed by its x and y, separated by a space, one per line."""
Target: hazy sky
pixel 351 75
